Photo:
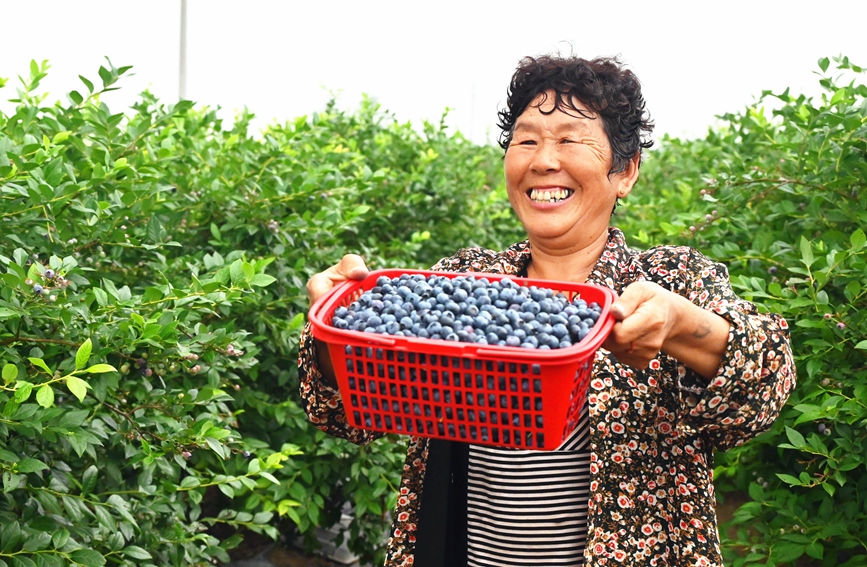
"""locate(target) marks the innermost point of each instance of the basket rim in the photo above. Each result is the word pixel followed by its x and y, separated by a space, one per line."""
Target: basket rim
pixel 326 305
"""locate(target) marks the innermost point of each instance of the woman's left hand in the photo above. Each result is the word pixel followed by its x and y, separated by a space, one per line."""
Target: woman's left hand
pixel 651 319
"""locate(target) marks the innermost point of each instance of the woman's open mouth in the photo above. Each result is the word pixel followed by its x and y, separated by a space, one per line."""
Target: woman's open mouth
pixel 553 195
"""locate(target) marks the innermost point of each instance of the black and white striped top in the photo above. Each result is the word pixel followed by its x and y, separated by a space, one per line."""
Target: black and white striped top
pixel 529 507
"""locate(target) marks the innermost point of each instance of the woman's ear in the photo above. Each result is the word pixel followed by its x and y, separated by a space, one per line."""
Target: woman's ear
pixel 627 178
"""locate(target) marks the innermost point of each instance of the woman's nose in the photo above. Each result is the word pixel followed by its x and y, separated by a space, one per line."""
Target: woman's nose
pixel 546 158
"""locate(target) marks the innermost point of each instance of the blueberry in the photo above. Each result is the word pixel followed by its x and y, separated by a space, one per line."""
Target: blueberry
pixel 37 289
pixel 49 274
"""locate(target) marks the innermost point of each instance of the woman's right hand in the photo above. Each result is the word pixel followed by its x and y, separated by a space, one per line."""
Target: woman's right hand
pixel 350 267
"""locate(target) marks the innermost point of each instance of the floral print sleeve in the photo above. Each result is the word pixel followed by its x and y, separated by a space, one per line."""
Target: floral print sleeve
pixel 321 402
pixel 756 374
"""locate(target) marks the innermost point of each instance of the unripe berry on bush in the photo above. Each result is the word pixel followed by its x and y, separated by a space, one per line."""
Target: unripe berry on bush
pixel 186 454
pixel 841 325
pixel 124 369
pixel 142 363
pixel 827 316
pixel 195 369
pixel 246 454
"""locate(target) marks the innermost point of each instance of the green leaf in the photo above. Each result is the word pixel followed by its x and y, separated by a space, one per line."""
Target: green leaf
pixel 40 363
pixel 88 479
pixel 217 447
pixel 789 479
pixel 59 538
pixel 8 456
pixel 77 386
pixel 45 396
pixel 29 465
pixel 806 252
pixel 83 354
pixel 87 83
pixel 823 64
pixel 22 391
pixel 858 239
pixel 795 438
pixel 269 476
pixel 10 373
pixel 862 345
pixel 154 229
pixel 190 482
pixel 136 552
pixel 249 271
pixel 236 271
pixel 262 280
pixel 100 368
pixel 60 137
pixel 87 557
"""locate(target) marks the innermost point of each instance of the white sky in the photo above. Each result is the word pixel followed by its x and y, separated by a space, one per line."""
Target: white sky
pixel 283 59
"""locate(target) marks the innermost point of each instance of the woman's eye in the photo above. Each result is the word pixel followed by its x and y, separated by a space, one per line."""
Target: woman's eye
pixel 525 142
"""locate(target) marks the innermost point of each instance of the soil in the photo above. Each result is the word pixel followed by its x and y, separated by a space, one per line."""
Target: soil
pixel 261 551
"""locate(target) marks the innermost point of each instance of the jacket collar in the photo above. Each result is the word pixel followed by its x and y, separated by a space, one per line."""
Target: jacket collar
pixel 611 264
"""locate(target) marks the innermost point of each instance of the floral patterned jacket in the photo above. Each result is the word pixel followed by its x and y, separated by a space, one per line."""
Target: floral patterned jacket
pixel 652 432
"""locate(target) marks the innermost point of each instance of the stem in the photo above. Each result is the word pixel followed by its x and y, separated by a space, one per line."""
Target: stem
pixel 38 340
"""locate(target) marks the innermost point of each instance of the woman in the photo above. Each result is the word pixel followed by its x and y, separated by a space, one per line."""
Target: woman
pixel 687 368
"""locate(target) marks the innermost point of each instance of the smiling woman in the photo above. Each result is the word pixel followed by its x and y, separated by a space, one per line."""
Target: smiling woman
pixel 688 366
pixel 558 179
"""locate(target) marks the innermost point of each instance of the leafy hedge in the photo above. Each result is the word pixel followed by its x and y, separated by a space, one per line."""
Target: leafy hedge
pixel 152 295
pixel 148 405
pixel 780 197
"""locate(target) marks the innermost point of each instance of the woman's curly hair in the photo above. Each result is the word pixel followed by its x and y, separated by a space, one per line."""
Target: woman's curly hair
pixel 603 85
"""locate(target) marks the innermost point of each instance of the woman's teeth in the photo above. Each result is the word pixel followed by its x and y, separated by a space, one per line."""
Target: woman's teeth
pixel 549 195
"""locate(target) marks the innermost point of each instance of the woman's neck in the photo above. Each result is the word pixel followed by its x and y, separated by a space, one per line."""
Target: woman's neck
pixel 571 264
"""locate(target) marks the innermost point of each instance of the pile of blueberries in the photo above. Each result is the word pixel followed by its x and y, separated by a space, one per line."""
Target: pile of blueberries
pixel 471 310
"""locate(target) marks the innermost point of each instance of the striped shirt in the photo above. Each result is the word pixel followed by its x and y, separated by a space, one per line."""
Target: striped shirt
pixel 529 507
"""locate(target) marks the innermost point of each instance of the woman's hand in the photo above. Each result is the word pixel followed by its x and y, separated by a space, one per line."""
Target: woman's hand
pixel 350 267
pixel 651 319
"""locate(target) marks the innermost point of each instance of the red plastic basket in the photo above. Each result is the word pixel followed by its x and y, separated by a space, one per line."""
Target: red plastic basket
pixel 492 395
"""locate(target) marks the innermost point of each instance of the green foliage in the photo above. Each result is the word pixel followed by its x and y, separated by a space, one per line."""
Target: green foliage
pixel 148 402
pixel 153 270
pixel 781 201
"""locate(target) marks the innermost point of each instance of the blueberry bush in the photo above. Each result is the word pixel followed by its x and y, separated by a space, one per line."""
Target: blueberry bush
pixel 153 267
pixel 778 194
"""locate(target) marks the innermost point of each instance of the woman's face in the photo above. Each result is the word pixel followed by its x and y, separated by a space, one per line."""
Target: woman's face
pixel 557 175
